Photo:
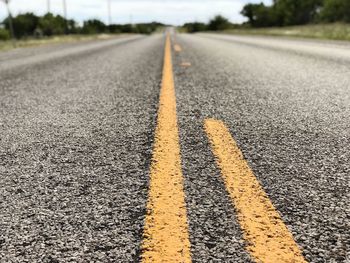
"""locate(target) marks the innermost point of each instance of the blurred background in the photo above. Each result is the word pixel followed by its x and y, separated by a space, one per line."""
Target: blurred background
pixel 43 19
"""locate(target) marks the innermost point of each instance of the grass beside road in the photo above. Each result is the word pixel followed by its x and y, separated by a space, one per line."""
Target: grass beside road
pixel 7 45
pixel 336 31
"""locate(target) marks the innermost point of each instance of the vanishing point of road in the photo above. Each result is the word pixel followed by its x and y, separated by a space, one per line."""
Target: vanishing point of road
pixel 176 148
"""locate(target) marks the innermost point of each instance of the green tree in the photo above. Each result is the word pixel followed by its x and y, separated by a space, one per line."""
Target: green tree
pixel 295 12
pixel 219 23
pixel 24 24
pixel 335 11
pixel 283 12
pixel 73 27
pixel 94 26
pixel 127 28
pixel 195 27
pixel 249 12
pixel 145 28
pixel 259 15
pixel 52 25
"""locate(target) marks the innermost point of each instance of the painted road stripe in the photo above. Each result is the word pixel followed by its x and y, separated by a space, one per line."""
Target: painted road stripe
pixel 177 48
pixel 185 64
pixel 268 239
pixel 166 237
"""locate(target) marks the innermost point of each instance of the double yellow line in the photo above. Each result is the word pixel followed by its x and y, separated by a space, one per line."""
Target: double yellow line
pixel 166 235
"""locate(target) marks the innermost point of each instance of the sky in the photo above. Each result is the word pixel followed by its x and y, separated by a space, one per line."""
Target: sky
pixel 174 12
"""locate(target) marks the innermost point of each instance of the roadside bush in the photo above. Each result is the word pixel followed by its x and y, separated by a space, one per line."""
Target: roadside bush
pixel 195 27
pixel 142 28
pixel 147 28
pixel 4 34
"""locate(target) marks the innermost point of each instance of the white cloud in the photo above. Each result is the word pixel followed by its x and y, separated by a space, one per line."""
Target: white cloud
pixel 123 11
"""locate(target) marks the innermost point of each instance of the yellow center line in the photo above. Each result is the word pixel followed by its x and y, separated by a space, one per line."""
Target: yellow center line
pixel 268 239
pixel 166 237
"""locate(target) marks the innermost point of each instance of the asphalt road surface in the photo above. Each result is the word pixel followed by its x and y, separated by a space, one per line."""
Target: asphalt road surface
pixel 79 124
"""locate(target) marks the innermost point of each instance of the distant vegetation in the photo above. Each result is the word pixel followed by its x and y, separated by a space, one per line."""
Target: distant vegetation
pixel 218 23
pixel 280 14
pixel 335 31
pixel 297 12
pixel 28 25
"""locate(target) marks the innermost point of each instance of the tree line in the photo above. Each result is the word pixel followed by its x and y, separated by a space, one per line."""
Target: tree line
pixel 30 25
pixel 281 13
pixel 297 12
pixel 218 23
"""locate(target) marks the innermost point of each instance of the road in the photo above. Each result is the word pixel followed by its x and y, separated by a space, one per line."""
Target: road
pixel 99 163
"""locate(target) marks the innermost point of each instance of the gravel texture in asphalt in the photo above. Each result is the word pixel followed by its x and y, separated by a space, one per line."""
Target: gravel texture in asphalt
pixel 76 135
pixel 77 125
pixel 288 109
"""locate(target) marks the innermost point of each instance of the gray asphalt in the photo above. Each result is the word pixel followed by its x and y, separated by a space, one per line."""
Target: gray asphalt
pixel 288 108
pixel 77 124
pixel 76 136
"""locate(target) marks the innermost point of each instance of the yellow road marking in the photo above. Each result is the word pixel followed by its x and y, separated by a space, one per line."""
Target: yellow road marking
pixel 269 240
pixel 177 48
pixel 166 237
